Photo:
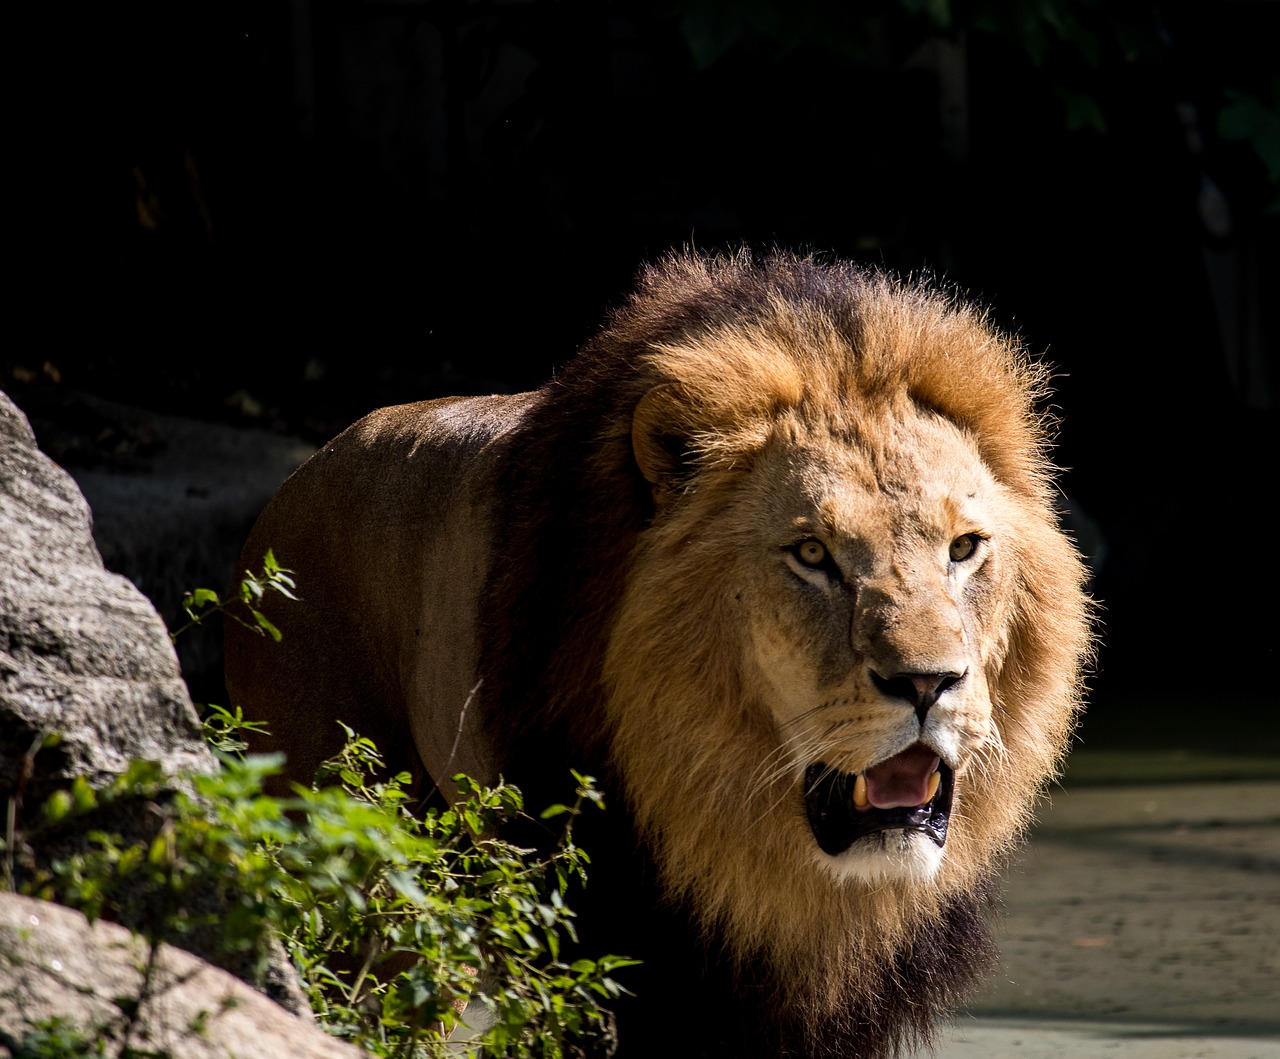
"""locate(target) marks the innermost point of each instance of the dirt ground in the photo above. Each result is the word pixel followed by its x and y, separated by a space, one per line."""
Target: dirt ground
pixel 1143 920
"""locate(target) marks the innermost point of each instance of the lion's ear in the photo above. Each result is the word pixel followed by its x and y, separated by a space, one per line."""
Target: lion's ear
pixel 659 438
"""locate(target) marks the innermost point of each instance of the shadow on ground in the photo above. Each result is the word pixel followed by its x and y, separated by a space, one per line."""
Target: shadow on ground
pixel 1141 919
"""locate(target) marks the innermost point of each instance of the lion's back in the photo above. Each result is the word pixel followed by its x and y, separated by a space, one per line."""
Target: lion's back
pixel 388 530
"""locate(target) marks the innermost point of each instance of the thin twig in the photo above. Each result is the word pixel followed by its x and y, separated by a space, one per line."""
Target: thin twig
pixel 457 739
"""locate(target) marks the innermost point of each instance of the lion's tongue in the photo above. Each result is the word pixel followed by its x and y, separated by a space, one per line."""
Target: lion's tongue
pixel 903 779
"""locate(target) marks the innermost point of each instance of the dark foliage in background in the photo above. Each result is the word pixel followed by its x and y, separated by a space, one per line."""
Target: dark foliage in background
pixel 286 214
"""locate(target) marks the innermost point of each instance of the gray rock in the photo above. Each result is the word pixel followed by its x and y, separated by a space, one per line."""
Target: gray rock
pixel 84 655
pixel 82 651
pixel 54 963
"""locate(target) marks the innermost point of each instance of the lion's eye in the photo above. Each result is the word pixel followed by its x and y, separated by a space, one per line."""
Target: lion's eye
pixel 811 553
pixel 814 555
pixel 964 547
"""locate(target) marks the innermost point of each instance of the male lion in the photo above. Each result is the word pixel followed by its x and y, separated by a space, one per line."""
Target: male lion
pixel 776 558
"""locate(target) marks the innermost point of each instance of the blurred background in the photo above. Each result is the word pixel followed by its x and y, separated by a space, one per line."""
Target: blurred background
pixel 281 215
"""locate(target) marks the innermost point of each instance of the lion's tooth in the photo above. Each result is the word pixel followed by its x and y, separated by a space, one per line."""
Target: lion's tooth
pixel 860 791
pixel 934 781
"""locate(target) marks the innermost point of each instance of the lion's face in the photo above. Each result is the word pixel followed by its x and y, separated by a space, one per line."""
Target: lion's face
pixel 845 657
pixel 871 580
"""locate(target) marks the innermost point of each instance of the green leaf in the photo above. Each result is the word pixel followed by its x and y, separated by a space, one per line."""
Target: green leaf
pixel 1247 117
pixel 203 597
pixel 265 625
pixel 83 796
pixel 158 853
pixel 57 806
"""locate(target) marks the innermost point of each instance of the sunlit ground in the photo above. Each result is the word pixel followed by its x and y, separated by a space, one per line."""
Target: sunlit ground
pixel 1143 919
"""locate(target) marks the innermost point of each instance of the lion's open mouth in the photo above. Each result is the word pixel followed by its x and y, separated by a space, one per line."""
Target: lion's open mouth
pixel 910 791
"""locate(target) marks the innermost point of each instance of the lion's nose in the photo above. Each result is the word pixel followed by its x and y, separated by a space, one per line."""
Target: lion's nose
pixel 922 690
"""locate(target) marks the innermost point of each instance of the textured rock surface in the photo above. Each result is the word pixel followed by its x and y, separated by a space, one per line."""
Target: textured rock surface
pixel 82 651
pixel 83 654
pixel 53 962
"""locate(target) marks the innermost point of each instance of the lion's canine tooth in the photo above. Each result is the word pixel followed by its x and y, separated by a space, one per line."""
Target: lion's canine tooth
pixel 860 791
pixel 934 782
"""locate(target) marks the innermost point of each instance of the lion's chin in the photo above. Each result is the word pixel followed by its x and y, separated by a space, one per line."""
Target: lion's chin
pixel 888 857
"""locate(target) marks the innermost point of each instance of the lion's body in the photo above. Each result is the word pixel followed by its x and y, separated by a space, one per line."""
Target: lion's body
pixel 393 566
pixel 779 526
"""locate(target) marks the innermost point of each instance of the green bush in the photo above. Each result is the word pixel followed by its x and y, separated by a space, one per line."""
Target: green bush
pixel 394 919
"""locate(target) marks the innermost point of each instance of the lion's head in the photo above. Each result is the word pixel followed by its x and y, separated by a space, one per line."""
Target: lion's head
pixel 840 632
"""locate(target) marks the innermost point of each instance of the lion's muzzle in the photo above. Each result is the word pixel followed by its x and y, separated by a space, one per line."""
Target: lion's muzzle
pixel 910 791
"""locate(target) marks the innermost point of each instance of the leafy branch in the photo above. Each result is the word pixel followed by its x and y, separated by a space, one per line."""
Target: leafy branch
pixel 201 604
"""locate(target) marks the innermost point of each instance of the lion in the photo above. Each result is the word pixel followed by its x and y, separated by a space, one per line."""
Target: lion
pixel 776 558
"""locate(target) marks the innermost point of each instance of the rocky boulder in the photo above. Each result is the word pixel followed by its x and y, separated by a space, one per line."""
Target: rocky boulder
pixel 82 651
pixel 54 964
pixel 83 654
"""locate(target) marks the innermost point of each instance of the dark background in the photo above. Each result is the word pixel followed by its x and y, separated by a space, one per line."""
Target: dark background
pixel 283 215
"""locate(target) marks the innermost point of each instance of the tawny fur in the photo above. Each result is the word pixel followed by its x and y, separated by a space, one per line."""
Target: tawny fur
pixel 609 576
